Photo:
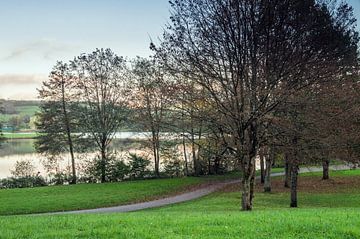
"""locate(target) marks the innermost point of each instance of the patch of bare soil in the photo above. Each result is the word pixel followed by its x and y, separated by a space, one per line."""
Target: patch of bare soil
pixel 308 184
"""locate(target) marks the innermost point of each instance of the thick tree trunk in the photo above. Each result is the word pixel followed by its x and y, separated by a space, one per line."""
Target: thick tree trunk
pixel 294 178
pixel 246 204
pixel 262 168
pixel 287 172
pixel 326 164
pixel 248 184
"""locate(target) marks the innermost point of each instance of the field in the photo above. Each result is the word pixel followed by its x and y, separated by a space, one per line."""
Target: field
pixel 84 196
pixel 20 135
pixel 328 209
pixel 29 110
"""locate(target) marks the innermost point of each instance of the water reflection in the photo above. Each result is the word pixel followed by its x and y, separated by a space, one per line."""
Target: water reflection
pixel 23 149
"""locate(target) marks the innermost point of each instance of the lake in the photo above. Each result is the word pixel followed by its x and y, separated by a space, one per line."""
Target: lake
pixel 23 149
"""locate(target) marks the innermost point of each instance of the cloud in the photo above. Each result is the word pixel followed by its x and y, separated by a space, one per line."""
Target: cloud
pixel 45 47
pixel 16 79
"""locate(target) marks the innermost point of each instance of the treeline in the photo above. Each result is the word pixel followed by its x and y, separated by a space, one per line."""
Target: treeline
pixel 18 115
pixel 241 79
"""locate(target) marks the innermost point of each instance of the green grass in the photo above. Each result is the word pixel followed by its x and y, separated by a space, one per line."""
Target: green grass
pixel 84 196
pixel 308 223
pixel 29 110
pixel 336 174
pixel 333 214
pixel 20 135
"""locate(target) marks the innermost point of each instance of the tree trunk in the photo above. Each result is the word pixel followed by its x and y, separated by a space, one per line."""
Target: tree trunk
pixel 103 165
pixel 268 162
pixel 326 164
pixel 68 134
pixel 195 161
pixel 103 159
pixel 287 172
pixel 262 169
pixel 248 184
pixel 155 146
pixel 246 204
pixel 185 157
pixel 294 178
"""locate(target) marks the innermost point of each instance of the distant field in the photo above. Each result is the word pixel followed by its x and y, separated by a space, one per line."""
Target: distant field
pixel 323 213
pixel 20 135
pixel 21 111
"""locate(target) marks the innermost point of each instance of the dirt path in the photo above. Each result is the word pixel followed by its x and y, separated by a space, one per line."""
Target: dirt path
pixel 182 197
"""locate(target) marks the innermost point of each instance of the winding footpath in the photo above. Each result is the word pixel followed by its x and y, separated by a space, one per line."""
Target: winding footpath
pixel 182 197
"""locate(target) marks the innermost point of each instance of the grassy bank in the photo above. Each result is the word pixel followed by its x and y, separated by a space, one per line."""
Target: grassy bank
pixel 20 135
pixel 328 209
pixel 85 196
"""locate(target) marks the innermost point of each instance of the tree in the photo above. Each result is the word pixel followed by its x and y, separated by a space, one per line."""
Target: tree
pixel 15 123
pixel 57 118
pixel 1 134
pixel 151 101
pixel 102 87
pixel 249 56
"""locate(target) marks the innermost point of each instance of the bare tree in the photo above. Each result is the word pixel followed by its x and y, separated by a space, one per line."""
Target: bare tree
pixel 249 56
pixel 56 119
pixel 102 85
pixel 152 98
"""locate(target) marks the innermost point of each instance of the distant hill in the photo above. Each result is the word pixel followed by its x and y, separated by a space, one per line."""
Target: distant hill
pixel 18 115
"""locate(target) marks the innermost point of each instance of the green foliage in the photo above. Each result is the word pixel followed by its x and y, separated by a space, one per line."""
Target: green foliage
pixel 22 182
pixel 139 167
pixel 174 168
pixel 60 178
pixel 116 169
pixel 22 113
pixel 119 170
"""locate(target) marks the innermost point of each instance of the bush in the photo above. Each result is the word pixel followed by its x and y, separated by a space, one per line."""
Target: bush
pixel 138 167
pixel 23 169
pixel 23 182
pixel 116 170
pixel 173 168
pixel 60 178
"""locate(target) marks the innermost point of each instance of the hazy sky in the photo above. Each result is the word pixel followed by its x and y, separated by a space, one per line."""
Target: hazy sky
pixel 37 33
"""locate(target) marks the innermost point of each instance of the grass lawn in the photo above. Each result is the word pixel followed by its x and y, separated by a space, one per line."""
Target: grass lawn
pixel 20 135
pixel 328 209
pixel 85 196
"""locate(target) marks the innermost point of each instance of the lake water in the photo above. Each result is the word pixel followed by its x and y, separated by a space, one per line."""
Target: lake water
pixel 23 149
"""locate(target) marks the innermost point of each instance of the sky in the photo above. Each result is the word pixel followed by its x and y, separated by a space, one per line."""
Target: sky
pixel 37 33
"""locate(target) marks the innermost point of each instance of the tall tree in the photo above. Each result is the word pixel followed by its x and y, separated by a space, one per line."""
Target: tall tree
pixel 249 56
pixel 102 85
pixel 1 134
pixel 56 120
pixel 152 99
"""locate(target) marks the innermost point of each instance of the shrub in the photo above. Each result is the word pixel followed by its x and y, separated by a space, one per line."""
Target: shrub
pixel 138 167
pixel 116 170
pixel 23 182
pixel 173 168
pixel 23 169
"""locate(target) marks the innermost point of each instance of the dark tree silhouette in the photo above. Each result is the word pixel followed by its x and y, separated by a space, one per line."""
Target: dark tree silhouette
pixel 249 56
